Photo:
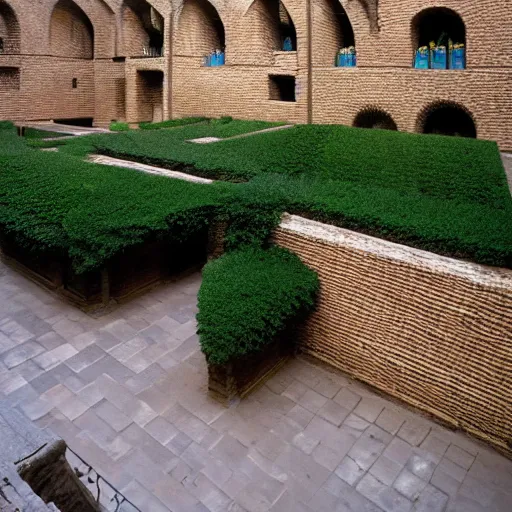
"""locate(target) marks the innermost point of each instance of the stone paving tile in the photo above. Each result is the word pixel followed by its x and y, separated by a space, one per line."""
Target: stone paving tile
pixel 349 471
pixel 51 340
pixel 16 332
pixel 369 446
pixel 333 412
pixel 383 496
pixel 414 431
pixel 409 485
pixel 85 358
pixel 385 470
pixel 459 457
pixel 21 353
pixel 112 415
pixel 127 391
pixel 6 343
pixel 54 357
pixel 390 420
pixel 369 408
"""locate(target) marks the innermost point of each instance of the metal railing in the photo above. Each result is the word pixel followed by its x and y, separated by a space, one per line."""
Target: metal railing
pixel 105 494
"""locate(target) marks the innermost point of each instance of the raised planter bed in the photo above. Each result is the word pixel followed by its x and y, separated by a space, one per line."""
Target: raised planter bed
pixel 231 382
pixel 129 273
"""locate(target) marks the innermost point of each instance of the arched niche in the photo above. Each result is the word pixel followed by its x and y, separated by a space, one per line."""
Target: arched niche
pixel 332 31
pixel 374 118
pixel 447 118
pixel 266 26
pixel 142 29
pixel 71 31
pixel 10 35
pixel 437 24
pixel 200 29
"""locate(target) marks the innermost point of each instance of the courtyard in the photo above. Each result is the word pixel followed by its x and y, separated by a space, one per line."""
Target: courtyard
pixel 127 391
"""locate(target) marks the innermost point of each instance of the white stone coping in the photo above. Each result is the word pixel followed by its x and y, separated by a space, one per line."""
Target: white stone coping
pixel 127 164
pixel 333 235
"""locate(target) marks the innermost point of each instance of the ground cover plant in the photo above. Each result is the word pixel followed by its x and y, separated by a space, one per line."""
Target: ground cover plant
pixel 247 297
pixel 171 123
pixel 51 202
pixel 116 126
pixel 446 195
pixel 34 133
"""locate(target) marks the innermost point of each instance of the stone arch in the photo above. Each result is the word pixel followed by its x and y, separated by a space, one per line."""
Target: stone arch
pixel 142 29
pixel 332 31
pixel 437 24
pixel 200 29
pixel 447 118
pixel 265 25
pixel 10 34
pixel 374 117
pixel 71 31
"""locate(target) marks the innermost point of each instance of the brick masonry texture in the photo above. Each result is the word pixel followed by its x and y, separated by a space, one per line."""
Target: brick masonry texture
pixel 50 43
pixel 432 331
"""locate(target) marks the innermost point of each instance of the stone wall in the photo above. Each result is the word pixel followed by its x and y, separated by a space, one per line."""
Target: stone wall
pixel 384 78
pixel 432 331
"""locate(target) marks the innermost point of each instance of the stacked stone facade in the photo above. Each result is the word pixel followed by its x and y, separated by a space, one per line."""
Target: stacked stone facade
pixel 106 46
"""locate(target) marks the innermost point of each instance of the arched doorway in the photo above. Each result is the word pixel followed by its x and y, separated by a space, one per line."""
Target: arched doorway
pixel 267 27
pixel 437 24
pixel 374 118
pixel 447 118
pixel 332 32
pixel 142 29
pixel 441 34
pixel 200 30
pixel 71 32
pixel 10 40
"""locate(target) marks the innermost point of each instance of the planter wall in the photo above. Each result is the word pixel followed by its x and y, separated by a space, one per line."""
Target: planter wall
pixel 432 331
pixel 129 273
pixel 233 381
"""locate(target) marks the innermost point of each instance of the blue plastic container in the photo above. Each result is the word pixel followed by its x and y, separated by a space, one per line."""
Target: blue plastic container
pixel 421 60
pixel 287 45
pixel 458 58
pixel 438 58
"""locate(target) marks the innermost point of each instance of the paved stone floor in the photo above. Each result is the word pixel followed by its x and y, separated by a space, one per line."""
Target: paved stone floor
pixel 128 393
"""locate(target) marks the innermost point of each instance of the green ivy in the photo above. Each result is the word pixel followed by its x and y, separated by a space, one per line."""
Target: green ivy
pixel 247 297
pixel 119 127
pixel 171 123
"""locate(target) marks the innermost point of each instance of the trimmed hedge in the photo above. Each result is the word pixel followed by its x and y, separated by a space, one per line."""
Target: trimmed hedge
pixel 33 133
pixel 442 194
pixel 248 297
pixel 119 127
pixel 56 202
pixel 171 123
pixel 445 195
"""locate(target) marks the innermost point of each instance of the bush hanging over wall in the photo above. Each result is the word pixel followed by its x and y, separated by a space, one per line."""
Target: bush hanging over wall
pixel 442 194
pixel 56 202
pixel 248 297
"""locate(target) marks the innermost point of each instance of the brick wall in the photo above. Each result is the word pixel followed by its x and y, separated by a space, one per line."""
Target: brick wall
pixel 71 32
pixel 384 78
pixel 9 30
pixel 429 330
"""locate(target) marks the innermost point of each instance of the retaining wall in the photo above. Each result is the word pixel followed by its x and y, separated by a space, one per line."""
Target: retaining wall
pixel 432 331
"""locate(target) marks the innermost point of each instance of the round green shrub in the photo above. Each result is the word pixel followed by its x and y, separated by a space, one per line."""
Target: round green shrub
pixel 249 296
